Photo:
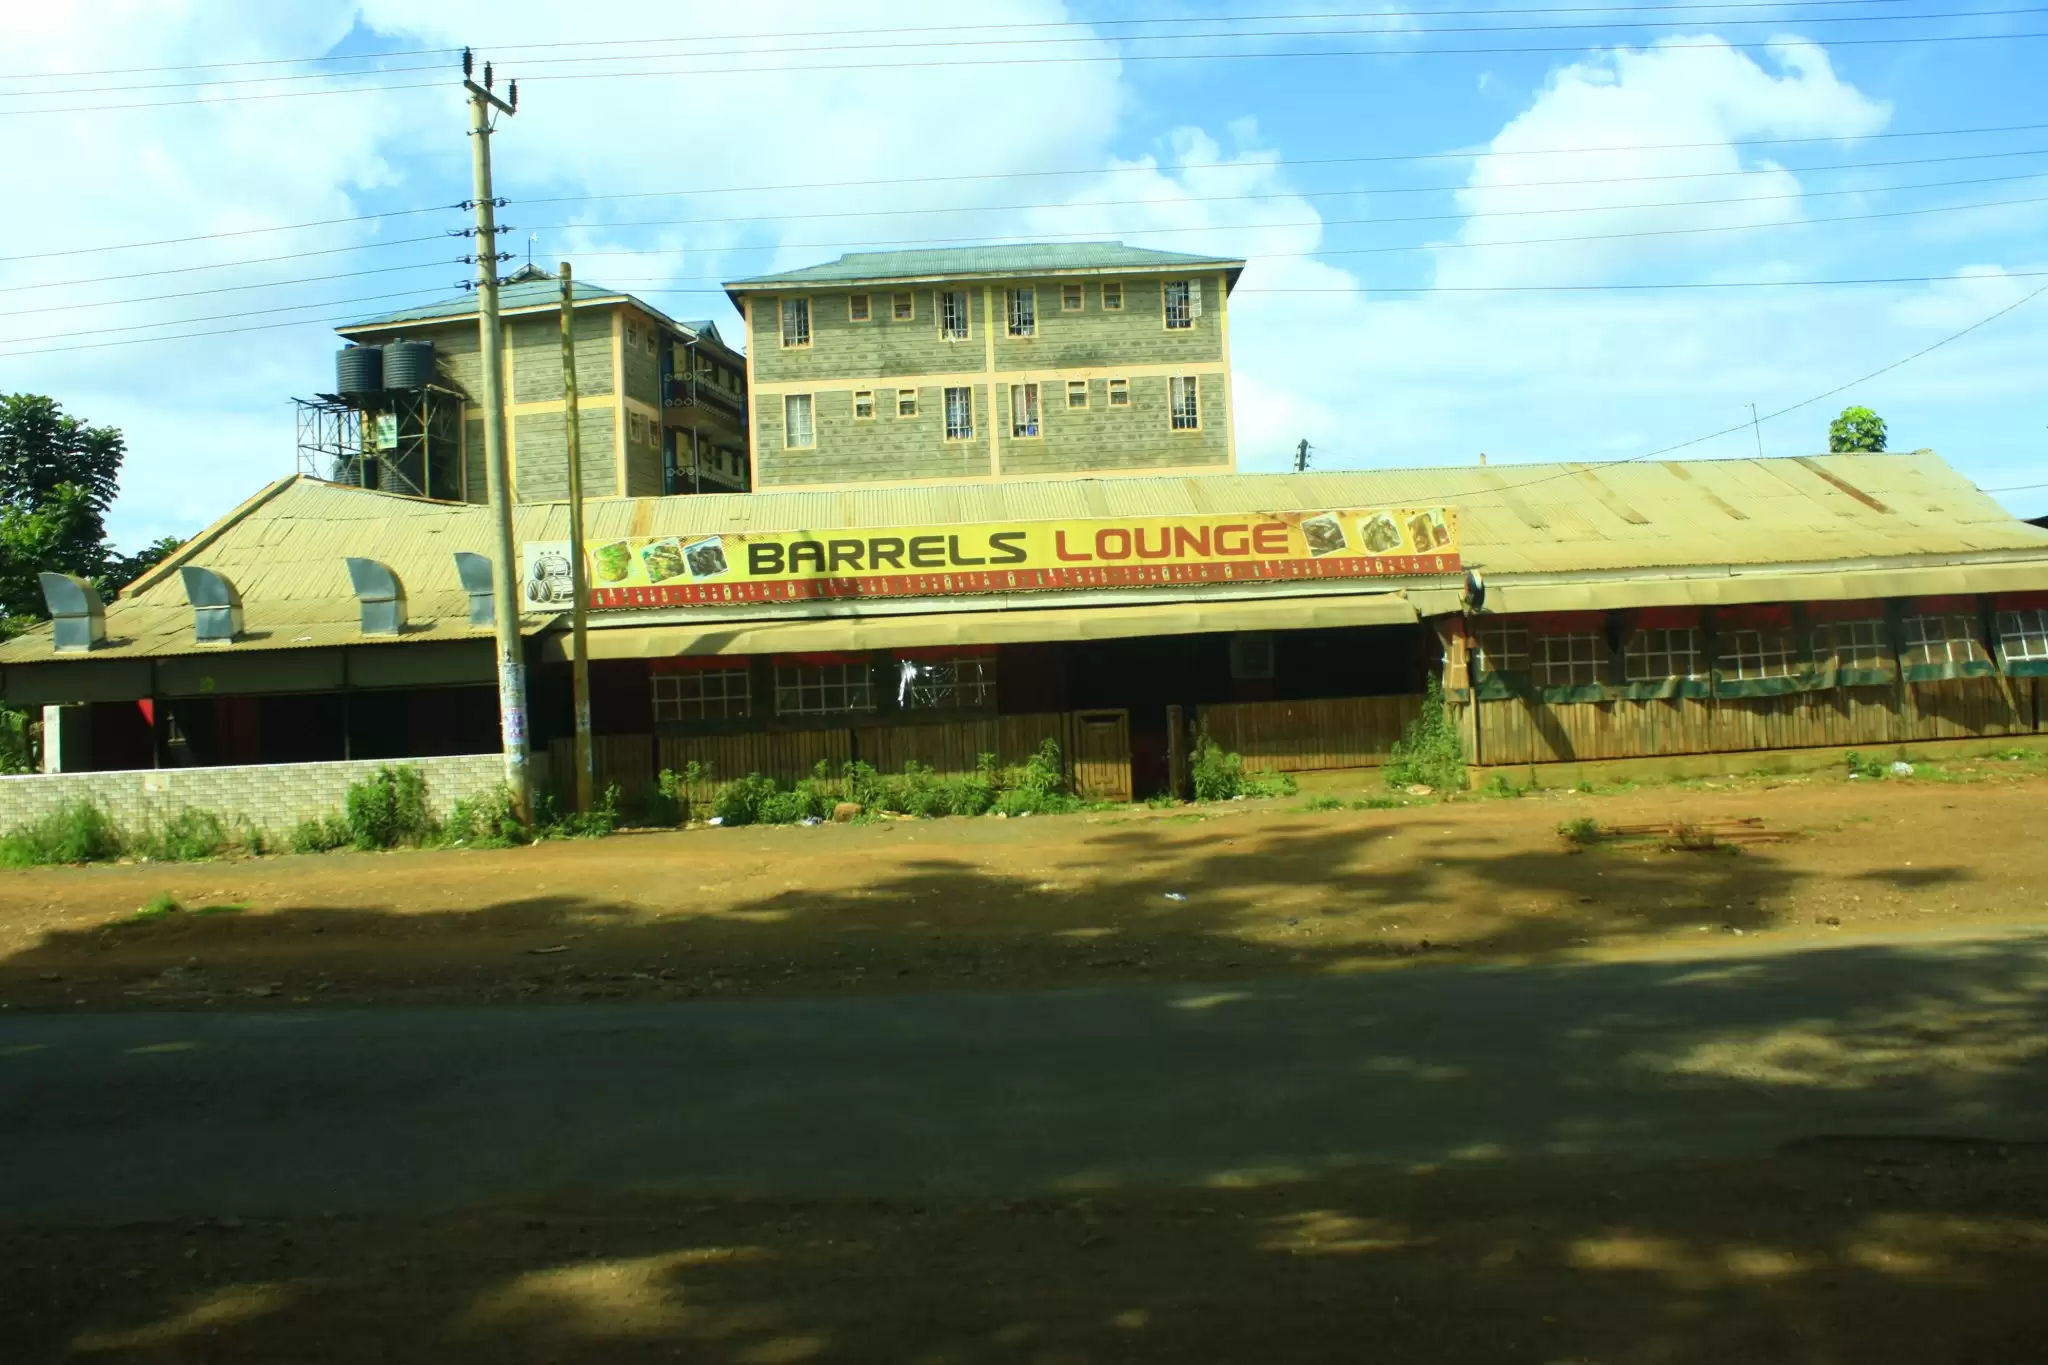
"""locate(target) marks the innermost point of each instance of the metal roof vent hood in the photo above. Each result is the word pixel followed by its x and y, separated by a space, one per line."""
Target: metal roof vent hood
pixel 475 572
pixel 380 595
pixel 78 620
pixel 216 606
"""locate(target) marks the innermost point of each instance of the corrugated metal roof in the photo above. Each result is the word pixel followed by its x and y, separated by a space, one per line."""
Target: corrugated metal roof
pixel 283 550
pixel 1542 523
pixel 1019 259
pixel 527 293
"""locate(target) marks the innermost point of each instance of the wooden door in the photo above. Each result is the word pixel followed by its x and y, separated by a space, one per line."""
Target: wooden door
pixel 1102 755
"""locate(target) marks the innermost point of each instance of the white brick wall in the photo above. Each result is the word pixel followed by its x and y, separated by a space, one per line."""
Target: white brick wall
pixel 274 796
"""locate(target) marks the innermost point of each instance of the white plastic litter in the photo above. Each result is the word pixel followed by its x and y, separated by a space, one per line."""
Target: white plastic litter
pixel 1902 769
pixel 716 820
pixel 1176 895
pixel 809 820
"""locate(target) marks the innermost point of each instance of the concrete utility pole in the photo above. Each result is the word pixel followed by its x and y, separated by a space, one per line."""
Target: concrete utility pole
pixel 504 554
pixel 579 582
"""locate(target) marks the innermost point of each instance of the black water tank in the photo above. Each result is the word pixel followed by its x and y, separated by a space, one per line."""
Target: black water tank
pixel 359 369
pixel 408 364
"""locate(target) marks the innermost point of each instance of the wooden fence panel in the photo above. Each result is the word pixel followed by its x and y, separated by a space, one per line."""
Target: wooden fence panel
pixel 950 747
pixel 1304 736
pixel 785 755
pixel 622 761
pixel 1964 708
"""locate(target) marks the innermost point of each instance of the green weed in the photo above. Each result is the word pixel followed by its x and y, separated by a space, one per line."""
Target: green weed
pixel 1868 769
pixel 1429 753
pixel 389 809
pixel 81 833
pixel 1321 803
pixel 1381 803
pixel 188 836
pixel 1220 775
pixel 159 906
pixel 319 836
pixel 1498 787
pixel 1583 832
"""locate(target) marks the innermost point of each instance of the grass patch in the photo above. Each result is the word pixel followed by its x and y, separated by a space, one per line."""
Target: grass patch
pixel 1037 786
pixel 319 836
pixel 1583 832
pixel 1220 775
pixel 82 833
pixel 1321 803
pixel 187 837
pixel 160 906
pixel 1383 803
pixel 221 910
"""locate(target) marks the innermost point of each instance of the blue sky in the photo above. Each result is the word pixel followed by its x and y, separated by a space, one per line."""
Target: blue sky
pixel 1397 198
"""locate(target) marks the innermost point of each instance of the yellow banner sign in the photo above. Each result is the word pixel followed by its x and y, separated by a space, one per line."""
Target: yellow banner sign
pixel 1023 556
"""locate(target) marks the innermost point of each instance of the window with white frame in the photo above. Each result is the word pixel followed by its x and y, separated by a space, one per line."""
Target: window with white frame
pixel 704 694
pixel 1077 393
pixel 906 402
pixel 863 404
pixel 1660 653
pixel 1112 295
pixel 857 307
pixel 1119 393
pixel 1185 392
pixel 1023 306
pixel 823 689
pixel 796 422
pixel 1024 410
pixel 1070 298
pixel 1502 648
pixel 953 315
pixel 1183 302
pixel 796 322
pixel 946 684
pixel 1764 652
pixel 960 413
pixel 2023 634
pixel 1567 659
pixel 1941 639
pixel 1864 644
pixel 903 307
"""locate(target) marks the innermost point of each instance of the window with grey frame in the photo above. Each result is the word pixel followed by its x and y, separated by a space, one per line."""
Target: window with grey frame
pixel 960 413
pixel 823 689
pixel 1186 396
pixel 703 694
pixel 1023 312
pixel 1183 304
pixel 954 314
pixel 965 682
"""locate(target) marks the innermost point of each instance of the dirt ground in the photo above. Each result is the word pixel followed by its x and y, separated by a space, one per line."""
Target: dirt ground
pixel 1876 1252
pixel 1201 893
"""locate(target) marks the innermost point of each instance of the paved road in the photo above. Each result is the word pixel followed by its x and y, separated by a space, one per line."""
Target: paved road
pixel 133 1116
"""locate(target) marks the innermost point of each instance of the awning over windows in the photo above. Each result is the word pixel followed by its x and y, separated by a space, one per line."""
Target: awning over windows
pixel 924 630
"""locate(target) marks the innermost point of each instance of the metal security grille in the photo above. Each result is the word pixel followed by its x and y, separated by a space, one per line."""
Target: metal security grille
pixel 946 684
pixel 1655 655
pixel 712 694
pixel 796 420
pixel 953 316
pixel 1567 660
pixel 1942 640
pixel 1023 312
pixel 1853 644
pixel 2023 634
pixel 1180 305
pixel 959 414
pixel 1024 409
pixel 1747 654
pixel 796 322
pixel 1187 402
pixel 1503 649
pixel 822 689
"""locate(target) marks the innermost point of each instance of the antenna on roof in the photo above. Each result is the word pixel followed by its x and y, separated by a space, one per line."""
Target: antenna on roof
pixel 529 249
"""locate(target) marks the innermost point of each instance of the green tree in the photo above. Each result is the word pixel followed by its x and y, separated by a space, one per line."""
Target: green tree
pixel 1858 431
pixel 58 477
pixel 123 569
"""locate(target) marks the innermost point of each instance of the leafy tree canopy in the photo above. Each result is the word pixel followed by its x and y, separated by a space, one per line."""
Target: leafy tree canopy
pixel 1856 431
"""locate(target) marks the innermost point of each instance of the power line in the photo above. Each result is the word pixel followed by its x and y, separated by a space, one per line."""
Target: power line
pixel 2015 488
pixel 1382 158
pixel 1809 402
pixel 1133 231
pixel 230 265
pixel 877 32
pixel 1263 55
pixel 215 317
pixel 953 43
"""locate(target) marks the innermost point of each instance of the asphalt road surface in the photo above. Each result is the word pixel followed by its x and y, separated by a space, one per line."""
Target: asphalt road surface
pixel 1723 1052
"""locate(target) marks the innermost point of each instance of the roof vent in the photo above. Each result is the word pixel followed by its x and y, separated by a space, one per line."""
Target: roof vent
pixel 216 606
pixel 380 594
pixel 78 620
pixel 475 572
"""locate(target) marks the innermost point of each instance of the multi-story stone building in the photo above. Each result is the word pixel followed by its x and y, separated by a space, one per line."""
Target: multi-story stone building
pixel 1006 362
pixel 663 402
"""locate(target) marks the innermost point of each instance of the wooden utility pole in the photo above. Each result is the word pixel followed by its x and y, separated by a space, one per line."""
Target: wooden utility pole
pixel 504 554
pixel 1301 457
pixel 579 610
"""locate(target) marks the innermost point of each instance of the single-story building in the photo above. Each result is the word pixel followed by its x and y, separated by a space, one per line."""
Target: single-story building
pixel 1572 613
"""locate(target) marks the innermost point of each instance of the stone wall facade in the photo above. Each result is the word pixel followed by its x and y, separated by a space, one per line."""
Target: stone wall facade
pixel 273 797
